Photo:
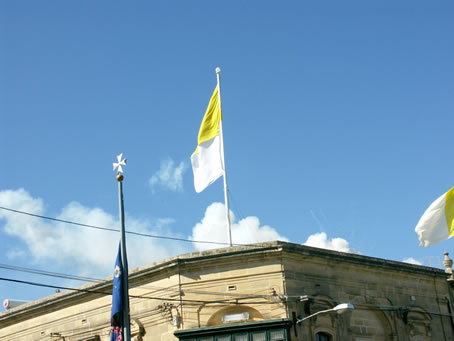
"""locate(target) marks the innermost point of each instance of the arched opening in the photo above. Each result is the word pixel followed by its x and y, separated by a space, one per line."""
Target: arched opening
pixel 234 314
pixel 322 336
pixel 419 324
pixel 370 325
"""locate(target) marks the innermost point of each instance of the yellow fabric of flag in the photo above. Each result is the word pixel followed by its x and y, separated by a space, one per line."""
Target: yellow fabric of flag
pixel 210 124
pixel 437 222
pixel 207 160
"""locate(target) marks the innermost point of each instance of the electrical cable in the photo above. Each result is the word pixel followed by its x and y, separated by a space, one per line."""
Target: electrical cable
pixel 130 296
pixel 98 280
pixel 49 273
pixel 81 278
pixel 112 229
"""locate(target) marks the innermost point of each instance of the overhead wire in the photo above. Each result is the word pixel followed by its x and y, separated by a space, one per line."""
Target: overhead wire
pixel 49 273
pixel 117 230
pixel 143 287
pixel 112 229
pixel 83 278
pixel 89 291
pixel 128 232
pixel 98 280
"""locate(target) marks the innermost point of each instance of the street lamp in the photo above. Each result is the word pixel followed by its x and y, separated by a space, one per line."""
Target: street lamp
pixel 340 309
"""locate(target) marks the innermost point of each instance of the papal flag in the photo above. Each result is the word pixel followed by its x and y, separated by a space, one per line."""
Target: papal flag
pixel 437 223
pixel 207 160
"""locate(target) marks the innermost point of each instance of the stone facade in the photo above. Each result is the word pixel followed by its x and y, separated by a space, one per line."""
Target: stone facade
pixel 256 292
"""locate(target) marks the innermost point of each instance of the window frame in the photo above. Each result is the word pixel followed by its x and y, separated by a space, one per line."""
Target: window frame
pixel 232 330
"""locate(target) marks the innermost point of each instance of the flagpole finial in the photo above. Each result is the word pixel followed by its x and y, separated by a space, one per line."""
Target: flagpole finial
pixel 218 70
pixel 117 165
pixel 120 177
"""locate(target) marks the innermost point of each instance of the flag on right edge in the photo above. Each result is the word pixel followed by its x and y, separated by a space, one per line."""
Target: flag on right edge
pixel 207 164
pixel 437 222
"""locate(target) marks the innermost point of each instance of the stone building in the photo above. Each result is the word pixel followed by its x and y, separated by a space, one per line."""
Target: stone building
pixel 253 293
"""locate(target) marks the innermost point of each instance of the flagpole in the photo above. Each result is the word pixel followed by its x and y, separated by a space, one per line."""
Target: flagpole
pixel 124 262
pixel 226 199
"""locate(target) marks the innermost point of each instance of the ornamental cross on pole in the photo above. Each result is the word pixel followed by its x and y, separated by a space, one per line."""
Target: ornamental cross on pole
pixel 117 166
pixel 121 162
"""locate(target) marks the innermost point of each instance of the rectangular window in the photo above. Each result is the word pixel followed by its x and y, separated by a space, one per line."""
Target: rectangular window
pixel 277 335
pixel 259 336
pixel 224 338
pixel 241 337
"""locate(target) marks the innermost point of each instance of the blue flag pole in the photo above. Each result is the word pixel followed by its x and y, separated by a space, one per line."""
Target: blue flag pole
pixel 123 318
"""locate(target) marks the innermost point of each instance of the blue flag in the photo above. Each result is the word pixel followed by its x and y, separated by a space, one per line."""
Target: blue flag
pixel 116 317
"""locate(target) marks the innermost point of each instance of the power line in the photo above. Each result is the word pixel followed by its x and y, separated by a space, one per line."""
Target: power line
pixel 112 229
pixel 98 280
pixel 89 279
pixel 130 296
pixel 59 220
pixel 49 273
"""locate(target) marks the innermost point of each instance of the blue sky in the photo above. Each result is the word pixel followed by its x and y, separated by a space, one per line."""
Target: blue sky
pixel 338 124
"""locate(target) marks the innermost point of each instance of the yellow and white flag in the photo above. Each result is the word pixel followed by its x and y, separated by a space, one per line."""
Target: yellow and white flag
pixel 437 223
pixel 207 160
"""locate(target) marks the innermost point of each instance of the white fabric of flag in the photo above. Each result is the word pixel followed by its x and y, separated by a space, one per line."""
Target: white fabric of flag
pixel 437 222
pixel 207 160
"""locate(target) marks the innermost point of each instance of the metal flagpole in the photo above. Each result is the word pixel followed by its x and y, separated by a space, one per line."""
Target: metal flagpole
pixel 226 199
pixel 124 262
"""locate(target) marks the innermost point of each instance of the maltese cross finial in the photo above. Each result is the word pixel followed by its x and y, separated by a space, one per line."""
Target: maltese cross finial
pixel 121 162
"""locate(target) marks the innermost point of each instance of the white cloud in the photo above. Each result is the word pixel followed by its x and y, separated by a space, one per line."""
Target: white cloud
pixel 213 227
pixel 81 250
pixel 411 260
pixel 168 176
pixel 91 252
pixel 321 240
